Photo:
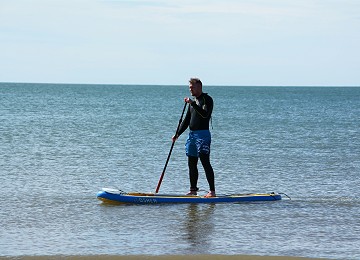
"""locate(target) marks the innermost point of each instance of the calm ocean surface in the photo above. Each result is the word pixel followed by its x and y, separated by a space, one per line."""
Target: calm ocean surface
pixel 60 144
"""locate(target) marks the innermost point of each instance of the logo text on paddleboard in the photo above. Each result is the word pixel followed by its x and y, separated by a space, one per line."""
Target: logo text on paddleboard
pixel 147 200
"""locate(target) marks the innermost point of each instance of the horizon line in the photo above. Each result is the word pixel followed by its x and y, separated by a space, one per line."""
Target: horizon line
pixel 176 85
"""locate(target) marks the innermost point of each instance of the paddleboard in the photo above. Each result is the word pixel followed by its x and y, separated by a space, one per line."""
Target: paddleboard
pixel 111 195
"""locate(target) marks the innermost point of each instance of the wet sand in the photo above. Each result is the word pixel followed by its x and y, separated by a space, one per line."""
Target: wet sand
pixel 162 257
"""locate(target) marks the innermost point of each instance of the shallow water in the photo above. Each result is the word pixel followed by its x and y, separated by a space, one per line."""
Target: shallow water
pixel 60 144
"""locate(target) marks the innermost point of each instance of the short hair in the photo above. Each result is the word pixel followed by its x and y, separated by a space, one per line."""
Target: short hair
pixel 195 81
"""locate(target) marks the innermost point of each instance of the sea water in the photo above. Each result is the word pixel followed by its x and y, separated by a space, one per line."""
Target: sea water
pixel 60 144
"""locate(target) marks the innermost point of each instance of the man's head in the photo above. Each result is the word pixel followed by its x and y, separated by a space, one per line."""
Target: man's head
pixel 195 87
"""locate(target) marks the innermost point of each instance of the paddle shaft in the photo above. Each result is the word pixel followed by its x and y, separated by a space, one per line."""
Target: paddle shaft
pixel 172 146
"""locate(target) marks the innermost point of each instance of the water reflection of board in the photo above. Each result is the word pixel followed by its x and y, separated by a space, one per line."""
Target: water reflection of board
pixel 118 196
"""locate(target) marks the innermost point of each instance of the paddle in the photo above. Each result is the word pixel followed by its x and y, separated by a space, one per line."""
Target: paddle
pixel 172 146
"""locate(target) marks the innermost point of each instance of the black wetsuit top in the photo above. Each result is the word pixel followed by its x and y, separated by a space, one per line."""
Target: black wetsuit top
pixel 198 114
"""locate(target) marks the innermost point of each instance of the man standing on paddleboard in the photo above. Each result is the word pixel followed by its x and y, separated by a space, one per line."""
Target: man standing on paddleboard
pixel 198 142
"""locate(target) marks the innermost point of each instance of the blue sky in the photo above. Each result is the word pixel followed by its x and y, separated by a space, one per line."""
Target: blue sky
pixel 224 42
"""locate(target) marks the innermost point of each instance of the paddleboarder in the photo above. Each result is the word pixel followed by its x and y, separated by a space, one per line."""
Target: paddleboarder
pixel 198 142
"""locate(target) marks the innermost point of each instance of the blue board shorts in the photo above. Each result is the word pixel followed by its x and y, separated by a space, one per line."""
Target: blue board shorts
pixel 198 142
